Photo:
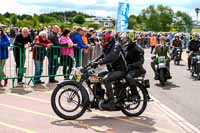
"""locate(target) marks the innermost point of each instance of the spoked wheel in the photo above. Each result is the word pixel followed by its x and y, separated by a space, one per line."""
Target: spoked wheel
pixel 198 76
pixel 69 100
pixel 135 105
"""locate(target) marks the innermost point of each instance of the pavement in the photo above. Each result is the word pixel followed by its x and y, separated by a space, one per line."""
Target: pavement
pixel 28 110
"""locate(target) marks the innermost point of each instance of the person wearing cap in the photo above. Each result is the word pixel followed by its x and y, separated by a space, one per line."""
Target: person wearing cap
pixel 4 43
pixel 162 50
pixel 77 39
pixel 194 46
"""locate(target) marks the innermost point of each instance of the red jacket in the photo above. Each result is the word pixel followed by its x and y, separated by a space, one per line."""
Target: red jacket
pixel 39 49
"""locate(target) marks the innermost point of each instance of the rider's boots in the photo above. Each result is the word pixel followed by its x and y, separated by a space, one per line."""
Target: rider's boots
pixel 110 104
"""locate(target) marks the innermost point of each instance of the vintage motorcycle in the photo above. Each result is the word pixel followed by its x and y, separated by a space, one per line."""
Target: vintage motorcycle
pixel 196 65
pixel 161 69
pixel 177 56
pixel 85 91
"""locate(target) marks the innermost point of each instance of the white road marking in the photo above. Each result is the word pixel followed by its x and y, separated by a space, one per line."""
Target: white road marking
pixel 179 120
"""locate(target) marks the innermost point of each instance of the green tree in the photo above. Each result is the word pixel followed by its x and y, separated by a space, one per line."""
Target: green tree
pixel 79 19
pixel 182 22
pixel 42 19
pixel 157 18
pixel 166 15
pixel 35 22
pixel 150 19
pixel 93 25
pixel 3 19
pixel 13 19
pixel 134 22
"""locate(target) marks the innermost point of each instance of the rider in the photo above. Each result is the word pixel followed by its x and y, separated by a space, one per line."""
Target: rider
pixel 113 56
pixel 177 43
pixel 194 46
pixel 135 61
pixel 134 58
pixel 161 50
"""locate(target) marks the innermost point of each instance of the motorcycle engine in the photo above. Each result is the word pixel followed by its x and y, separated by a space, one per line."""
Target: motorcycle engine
pixel 99 94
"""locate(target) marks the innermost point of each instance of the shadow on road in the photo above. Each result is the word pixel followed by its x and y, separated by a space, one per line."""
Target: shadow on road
pixel 2 90
pixel 168 86
pixel 181 65
pixel 40 88
pixel 23 90
pixel 51 86
pixel 20 90
pixel 113 124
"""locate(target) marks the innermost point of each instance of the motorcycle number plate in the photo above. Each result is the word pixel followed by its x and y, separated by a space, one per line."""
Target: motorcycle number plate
pixel 161 65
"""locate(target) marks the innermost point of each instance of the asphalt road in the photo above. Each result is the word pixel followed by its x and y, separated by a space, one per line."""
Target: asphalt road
pixel 182 92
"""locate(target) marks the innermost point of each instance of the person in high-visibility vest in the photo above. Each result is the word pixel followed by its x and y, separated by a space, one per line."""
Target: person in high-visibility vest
pixel 153 42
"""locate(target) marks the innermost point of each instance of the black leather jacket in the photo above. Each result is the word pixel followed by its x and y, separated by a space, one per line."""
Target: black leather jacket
pixel 194 46
pixel 114 57
pixel 134 56
pixel 53 37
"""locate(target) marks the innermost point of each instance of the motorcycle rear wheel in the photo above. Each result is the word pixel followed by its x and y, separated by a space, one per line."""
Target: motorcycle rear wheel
pixel 143 99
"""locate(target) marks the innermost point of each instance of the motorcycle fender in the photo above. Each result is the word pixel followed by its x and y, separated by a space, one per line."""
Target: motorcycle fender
pixel 90 93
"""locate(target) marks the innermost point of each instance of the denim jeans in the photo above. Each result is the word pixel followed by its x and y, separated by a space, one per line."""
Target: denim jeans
pixel 78 56
pixel 52 68
pixel 2 65
pixel 38 70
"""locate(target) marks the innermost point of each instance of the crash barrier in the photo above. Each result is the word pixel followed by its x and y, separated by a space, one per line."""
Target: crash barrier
pixel 32 63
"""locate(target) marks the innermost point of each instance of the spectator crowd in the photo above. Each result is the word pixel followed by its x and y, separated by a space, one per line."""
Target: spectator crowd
pixel 61 47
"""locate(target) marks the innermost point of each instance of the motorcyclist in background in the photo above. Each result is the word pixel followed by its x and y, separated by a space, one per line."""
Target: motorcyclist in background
pixel 194 46
pixel 113 56
pixel 162 50
pixel 177 43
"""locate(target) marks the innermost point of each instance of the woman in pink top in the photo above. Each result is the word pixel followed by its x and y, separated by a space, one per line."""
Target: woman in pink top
pixel 67 53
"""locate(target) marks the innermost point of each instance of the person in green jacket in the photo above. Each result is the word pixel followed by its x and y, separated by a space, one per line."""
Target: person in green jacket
pixel 161 50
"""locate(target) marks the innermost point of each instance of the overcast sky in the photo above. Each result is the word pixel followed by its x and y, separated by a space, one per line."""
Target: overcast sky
pixel 92 7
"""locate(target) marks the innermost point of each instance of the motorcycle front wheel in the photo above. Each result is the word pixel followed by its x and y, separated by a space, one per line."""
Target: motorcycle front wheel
pixel 134 106
pixel 69 100
pixel 162 77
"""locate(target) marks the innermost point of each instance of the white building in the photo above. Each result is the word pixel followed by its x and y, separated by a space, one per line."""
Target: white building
pixel 99 19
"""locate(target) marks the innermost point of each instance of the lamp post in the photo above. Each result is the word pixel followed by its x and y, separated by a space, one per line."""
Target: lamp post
pixel 197 12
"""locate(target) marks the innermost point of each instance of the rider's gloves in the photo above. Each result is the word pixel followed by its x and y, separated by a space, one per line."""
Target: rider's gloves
pixel 95 64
